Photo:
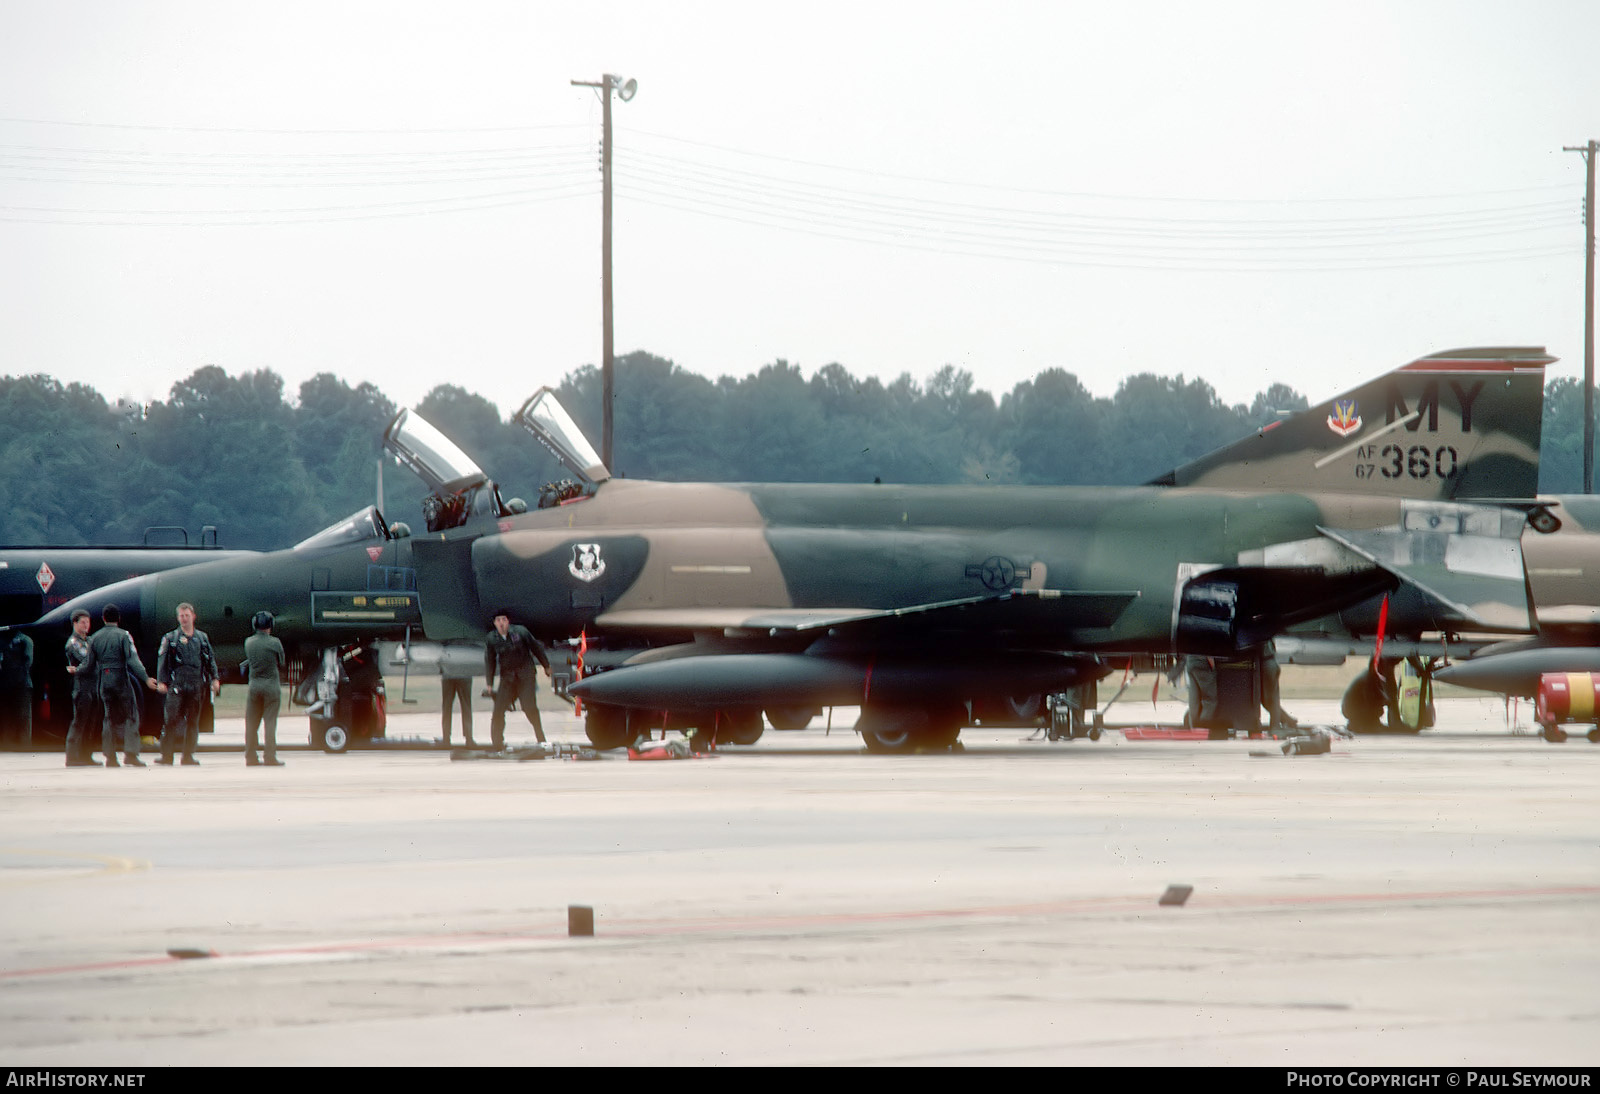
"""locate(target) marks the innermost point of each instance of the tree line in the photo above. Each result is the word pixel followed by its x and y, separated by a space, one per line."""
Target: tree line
pixel 238 453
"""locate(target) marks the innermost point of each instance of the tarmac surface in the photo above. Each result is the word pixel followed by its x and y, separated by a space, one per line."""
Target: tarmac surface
pixel 1427 901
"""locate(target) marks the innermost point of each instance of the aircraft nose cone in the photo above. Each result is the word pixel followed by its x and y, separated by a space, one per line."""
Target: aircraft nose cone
pixel 126 595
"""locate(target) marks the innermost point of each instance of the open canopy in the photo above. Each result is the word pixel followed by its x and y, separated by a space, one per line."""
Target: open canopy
pixel 547 419
pixel 356 528
pixel 418 445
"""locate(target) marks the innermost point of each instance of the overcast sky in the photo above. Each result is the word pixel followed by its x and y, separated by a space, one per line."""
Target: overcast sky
pixel 409 193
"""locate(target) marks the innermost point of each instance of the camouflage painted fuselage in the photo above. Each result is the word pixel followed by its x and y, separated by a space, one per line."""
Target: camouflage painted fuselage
pixel 1093 568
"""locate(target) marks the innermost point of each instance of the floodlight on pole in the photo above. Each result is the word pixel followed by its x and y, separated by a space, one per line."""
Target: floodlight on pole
pixel 625 90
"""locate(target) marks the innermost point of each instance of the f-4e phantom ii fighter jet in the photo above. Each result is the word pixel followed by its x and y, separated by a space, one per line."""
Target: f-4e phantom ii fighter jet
pixel 709 603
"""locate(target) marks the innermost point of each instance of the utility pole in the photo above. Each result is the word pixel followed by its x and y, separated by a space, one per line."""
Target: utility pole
pixel 1588 151
pixel 625 90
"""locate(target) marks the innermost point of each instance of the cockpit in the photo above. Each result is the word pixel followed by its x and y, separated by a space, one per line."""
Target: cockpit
pixel 367 524
pixel 545 417
pixel 458 487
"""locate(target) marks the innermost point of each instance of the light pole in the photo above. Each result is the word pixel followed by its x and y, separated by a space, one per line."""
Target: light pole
pixel 625 90
pixel 1589 152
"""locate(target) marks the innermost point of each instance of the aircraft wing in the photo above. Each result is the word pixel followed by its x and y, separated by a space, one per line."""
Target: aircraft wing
pixel 1016 609
pixel 1480 576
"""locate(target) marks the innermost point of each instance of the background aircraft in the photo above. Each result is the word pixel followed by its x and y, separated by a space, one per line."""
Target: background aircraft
pixel 35 579
pixel 1562 571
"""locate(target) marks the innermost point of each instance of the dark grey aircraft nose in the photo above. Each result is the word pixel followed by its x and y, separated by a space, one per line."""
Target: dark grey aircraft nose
pixel 127 595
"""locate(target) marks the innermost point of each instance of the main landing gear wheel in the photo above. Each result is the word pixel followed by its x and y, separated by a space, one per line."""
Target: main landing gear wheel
pixel 739 727
pixel 336 739
pixel 791 719
pixel 1023 707
pixel 900 730
pixel 888 732
pixel 606 727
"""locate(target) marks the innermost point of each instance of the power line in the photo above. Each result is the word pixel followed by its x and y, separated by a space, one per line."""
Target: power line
pixel 399 156
pixel 1078 194
pixel 1127 260
pixel 1060 227
pixel 399 131
pixel 299 180
pixel 919 212
pixel 303 215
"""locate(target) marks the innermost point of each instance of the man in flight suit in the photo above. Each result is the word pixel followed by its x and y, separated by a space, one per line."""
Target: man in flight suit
pixel 264 664
pixel 186 669
pixel 85 697
pixel 112 660
pixel 510 652
pixel 455 686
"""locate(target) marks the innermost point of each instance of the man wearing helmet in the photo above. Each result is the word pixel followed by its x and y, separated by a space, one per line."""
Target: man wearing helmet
pixel 263 664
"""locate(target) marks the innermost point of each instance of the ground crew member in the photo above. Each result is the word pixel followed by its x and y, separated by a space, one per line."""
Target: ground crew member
pixel 186 668
pixel 263 664
pixel 359 662
pixel 510 652
pixel 113 662
pixel 1368 697
pixel 455 686
pixel 1201 673
pixel 85 697
pixel 1271 690
pixel 16 690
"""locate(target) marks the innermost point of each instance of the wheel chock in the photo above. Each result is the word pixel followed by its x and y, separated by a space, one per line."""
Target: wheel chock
pixel 1175 896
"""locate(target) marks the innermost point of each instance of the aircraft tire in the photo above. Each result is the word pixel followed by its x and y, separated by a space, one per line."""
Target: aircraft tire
pixel 606 727
pixel 337 739
pixel 890 730
pixel 887 740
pixel 1594 735
pixel 1024 708
pixel 900 730
pixel 739 727
pixel 791 719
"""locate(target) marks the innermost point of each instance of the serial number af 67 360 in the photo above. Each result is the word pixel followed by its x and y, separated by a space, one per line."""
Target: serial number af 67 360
pixel 1417 462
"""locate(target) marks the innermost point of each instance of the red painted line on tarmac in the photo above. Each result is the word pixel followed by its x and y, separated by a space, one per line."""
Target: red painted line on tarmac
pixel 651 928
pixel 97 966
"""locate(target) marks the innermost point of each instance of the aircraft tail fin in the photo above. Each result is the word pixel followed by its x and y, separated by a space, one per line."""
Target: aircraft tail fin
pixel 1464 423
